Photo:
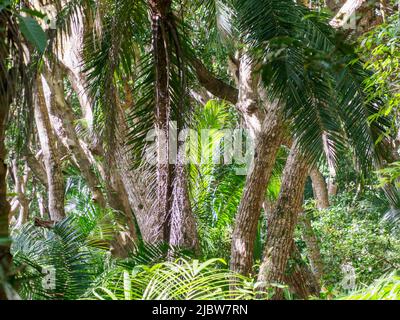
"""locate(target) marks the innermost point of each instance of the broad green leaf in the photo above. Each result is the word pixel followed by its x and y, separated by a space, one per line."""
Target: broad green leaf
pixel 33 32
pixel 4 4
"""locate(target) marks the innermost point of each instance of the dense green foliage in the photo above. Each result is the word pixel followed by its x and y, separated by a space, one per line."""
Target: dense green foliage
pixel 339 105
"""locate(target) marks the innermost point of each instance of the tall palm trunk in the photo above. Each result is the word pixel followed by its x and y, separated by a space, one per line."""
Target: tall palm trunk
pixel 55 179
pixel 283 221
pixel 159 11
pixel 183 223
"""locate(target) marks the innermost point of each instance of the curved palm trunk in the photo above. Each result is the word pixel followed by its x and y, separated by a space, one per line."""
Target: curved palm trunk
pixel 243 237
pixel 52 162
pixel 283 221
pixel 300 279
pixel 298 276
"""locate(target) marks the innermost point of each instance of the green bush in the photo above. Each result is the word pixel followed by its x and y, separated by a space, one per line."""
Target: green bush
pixel 354 233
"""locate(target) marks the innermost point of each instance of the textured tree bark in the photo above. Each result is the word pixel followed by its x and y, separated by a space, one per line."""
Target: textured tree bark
pixel 51 159
pixel 243 237
pixel 20 190
pixel 36 167
pixel 183 223
pixel 320 189
pixel 159 11
pixel 267 131
pixel 135 187
pixel 299 277
pixel 283 221
pixel 62 120
pixel 249 94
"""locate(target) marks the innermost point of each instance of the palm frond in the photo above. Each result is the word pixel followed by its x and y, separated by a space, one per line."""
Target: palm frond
pixel 180 280
pixel 310 68
pixel 54 263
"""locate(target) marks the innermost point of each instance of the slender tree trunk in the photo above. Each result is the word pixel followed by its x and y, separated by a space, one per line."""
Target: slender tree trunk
pixel 52 162
pixel 283 221
pixel 62 120
pixel 20 190
pixel 248 102
pixel 42 204
pixel 243 237
pixel 332 186
pixel 118 199
pixel 38 171
pixel 320 189
pixel 300 279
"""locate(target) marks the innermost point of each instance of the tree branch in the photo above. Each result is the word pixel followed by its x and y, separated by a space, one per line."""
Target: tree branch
pixel 214 85
pixel 345 12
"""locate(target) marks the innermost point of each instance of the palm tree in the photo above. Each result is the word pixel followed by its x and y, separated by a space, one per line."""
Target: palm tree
pixel 294 81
